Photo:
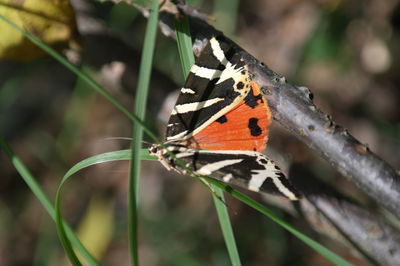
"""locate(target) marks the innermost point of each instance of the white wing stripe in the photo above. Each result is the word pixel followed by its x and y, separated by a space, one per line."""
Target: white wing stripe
pixel 227 178
pixel 282 188
pixel 257 179
pixel 208 169
pixel 190 107
pixel 217 51
pixel 187 90
pixel 177 136
pixel 206 73
pixel 230 72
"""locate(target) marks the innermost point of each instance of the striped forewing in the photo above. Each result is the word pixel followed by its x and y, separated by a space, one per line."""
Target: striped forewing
pixel 217 82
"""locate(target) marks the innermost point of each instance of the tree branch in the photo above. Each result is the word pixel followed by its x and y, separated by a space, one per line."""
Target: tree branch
pixel 295 111
pixel 362 228
pixel 293 108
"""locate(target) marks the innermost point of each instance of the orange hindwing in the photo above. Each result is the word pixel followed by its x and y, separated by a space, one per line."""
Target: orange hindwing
pixel 245 127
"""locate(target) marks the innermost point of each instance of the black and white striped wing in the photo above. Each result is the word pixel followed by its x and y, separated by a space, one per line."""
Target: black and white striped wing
pixel 217 82
pixel 247 169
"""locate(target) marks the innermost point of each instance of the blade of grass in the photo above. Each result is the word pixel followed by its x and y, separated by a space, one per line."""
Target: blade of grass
pixel 184 42
pixel 105 157
pixel 126 155
pixel 329 255
pixel 187 60
pixel 30 180
pixel 86 78
pixel 75 117
pixel 93 84
pixel 226 227
pixel 139 111
pixel 186 54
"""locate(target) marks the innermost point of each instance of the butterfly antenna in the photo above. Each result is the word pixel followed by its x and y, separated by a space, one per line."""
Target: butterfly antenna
pixel 148 144
pixel 117 138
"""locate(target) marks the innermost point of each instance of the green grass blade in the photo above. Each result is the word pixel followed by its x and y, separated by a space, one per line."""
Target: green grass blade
pixel 22 169
pixel 139 111
pixel 144 155
pixel 184 42
pixel 101 158
pixel 122 155
pixel 226 227
pixel 187 60
pixel 86 78
pixel 329 255
pixel 75 117
pixel 44 200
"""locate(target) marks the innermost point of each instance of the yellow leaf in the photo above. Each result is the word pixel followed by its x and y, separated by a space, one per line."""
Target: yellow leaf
pixel 52 21
pixel 97 226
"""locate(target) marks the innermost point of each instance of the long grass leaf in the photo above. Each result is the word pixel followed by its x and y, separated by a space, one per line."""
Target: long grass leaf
pixel 30 180
pixel 90 81
pixel 126 155
pixel 187 60
pixel 226 227
pixel 139 110
pixel 184 42
pixel 329 255
pixel 319 248
pixel 106 157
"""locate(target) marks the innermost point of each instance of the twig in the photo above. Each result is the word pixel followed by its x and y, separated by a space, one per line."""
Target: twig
pixel 295 111
pixel 345 220
pixel 293 108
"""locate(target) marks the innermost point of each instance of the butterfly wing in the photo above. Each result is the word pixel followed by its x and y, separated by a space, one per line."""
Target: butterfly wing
pixel 245 127
pixel 247 169
pixel 217 83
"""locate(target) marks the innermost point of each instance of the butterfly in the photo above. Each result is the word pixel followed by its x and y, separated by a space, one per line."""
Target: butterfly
pixel 219 125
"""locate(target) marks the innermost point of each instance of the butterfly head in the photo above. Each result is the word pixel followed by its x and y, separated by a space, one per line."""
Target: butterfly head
pixel 155 150
pixel 164 152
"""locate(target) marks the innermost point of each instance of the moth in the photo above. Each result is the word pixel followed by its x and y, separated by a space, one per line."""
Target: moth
pixel 219 125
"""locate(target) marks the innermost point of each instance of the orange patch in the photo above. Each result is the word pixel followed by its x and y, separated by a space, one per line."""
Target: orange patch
pixel 243 128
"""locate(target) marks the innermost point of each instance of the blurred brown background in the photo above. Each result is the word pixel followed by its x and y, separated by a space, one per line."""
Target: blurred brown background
pixel 346 52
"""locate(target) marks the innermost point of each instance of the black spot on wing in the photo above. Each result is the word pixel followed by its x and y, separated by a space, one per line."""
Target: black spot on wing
pixel 255 129
pixel 222 119
pixel 240 85
pixel 264 161
pixel 252 100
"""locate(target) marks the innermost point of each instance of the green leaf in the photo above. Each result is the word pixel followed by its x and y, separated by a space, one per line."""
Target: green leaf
pixel 139 110
pixel 30 180
pixel 187 60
